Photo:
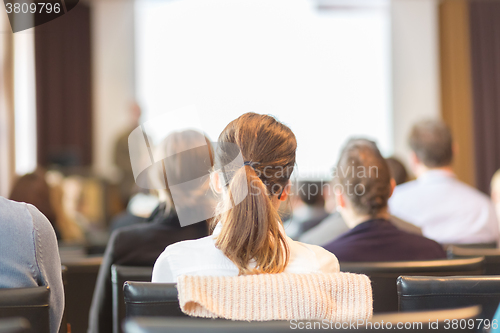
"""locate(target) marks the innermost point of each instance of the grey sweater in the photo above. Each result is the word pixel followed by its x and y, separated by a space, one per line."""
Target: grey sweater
pixel 29 256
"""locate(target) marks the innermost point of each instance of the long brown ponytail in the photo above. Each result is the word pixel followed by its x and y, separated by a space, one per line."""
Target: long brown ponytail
pixel 251 229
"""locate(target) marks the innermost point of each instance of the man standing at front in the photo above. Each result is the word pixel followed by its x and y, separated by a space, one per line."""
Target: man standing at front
pixel 447 210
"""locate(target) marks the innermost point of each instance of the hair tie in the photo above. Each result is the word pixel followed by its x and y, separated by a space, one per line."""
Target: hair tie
pixel 249 163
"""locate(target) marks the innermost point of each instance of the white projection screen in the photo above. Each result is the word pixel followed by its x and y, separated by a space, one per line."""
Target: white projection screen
pixel 325 72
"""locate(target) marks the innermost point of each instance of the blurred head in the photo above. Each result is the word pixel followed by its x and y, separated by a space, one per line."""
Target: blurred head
pixel 32 188
pixel 431 143
pixel 251 229
pixel 189 156
pixel 362 182
pixel 397 169
pixel 311 193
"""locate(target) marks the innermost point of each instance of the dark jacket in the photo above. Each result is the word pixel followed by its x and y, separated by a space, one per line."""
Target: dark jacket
pixel 380 240
pixel 137 245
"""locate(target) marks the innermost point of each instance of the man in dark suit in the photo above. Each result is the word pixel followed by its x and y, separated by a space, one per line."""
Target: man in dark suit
pixel 363 186
pixel 137 245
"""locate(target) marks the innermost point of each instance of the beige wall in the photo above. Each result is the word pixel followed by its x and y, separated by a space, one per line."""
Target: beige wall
pixel 113 77
pixel 415 66
pixel 7 137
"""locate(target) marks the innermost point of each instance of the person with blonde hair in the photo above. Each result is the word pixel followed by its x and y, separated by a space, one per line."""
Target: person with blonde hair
pixel 248 235
pixel 141 244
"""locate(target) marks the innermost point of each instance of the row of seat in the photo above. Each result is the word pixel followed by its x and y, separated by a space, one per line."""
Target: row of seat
pixel 146 299
pixel 383 276
pixel 429 321
pixel 421 322
pixel 80 279
pixel 415 293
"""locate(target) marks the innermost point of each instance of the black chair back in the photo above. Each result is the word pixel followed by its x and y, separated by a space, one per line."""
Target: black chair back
pixel 120 274
pixel 421 322
pixel 383 275
pixel 14 325
pixel 146 299
pixel 80 278
pixel 431 293
pixel 29 303
pixel 491 257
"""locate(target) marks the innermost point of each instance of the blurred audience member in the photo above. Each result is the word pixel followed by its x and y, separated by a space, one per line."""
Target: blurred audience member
pixel 122 157
pixel 71 229
pixel 363 186
pixel 32 188
pixel 311 213
pixel 398 170
pixel 140 245
pixel 447 210
pixel 29 256
pixel 40 190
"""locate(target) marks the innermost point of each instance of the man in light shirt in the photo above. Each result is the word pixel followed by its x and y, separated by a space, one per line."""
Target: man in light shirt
pixel 447 210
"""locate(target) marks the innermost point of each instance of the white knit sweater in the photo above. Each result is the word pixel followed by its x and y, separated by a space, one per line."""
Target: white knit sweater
pixel 335 297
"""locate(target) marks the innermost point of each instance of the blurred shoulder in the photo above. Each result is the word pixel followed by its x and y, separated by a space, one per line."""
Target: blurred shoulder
pixel 13 209
pixel 406 187
pixel 472 192
pixel 25 216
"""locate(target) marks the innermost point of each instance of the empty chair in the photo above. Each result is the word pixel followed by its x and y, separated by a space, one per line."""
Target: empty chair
pixel 14 325
pixel 80 279
pixel 430 292
pixel 383 275
pixel 29 303
pixel 120 274
pixel 412 322
pixel 143 299
pixel 491 257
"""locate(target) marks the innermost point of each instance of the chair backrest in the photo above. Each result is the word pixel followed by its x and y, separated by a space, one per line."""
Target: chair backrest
pixel 146 299
pixel 383 275
pixel 29 303
pixel 491 257
pixel 120 274
pixel 492 245
pixel 421 322
pixel 14 325
pixel 64 320
pixel 431 293
pixel 80 278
